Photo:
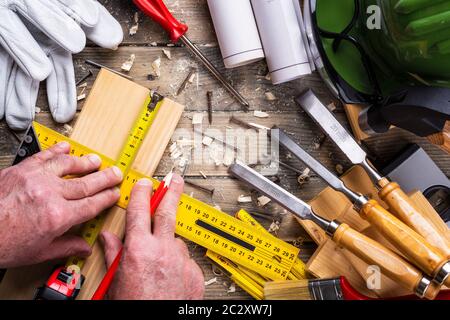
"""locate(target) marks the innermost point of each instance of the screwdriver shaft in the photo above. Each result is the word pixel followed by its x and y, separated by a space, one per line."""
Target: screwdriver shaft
pixel 195 50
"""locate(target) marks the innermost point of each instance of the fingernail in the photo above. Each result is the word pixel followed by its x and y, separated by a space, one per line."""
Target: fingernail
pixel 177 179
pixel 95 159
pixel 63 145
pixel 117 191
pixel 117 172
pixel 144 182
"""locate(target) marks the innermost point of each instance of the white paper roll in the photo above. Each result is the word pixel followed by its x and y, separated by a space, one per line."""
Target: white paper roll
pixel 279 28
pixel 236 31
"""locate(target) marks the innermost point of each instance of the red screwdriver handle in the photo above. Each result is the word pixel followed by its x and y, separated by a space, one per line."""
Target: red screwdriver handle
pixel 157 10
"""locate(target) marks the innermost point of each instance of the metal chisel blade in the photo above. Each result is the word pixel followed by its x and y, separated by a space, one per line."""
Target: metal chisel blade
pixel 271 190
pixel 326 120
pixel 312 163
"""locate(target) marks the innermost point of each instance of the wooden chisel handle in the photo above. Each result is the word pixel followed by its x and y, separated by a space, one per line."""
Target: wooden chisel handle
pixel 401 205
pixel 411 244
pixel 390 264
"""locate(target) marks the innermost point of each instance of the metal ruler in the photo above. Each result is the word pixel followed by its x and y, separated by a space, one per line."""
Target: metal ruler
pixel 197 221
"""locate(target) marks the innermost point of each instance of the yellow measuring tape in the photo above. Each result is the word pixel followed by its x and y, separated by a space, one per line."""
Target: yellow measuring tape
pixel 249 280
pixel 92 228
pixel 202 223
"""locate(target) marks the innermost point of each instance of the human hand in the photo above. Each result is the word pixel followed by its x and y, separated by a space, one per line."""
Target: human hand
pixel 37 40
pixel 155 265
pixel 38 206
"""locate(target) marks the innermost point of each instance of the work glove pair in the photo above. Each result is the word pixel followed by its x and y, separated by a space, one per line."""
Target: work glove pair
pixel 37 40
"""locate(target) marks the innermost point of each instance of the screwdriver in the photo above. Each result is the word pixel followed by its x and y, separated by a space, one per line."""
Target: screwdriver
pixel 157 10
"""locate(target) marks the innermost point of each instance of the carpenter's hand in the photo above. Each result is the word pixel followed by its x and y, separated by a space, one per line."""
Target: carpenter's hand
pixel 154 265
pixel 38 206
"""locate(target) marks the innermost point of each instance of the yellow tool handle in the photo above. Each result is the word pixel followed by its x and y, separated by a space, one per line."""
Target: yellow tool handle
pixel 376 254
pixel 401 205
pixel 411 244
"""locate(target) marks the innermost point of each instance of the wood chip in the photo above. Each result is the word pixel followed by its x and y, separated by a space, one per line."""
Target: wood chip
pixel 270 96
pixel 127 65
pixel 173 147
pixel 263 200
pixel 203 175
pixel 304 177
pixel 153 44
pixel 134 29
pixel 339 169
pixel 67 129
pixel 210 281
pixel 260 114
pixel 83 85
pixel 244 199
pixel 37 110
pixel 207 141
pixel 156 66
pixel 197 118
pixel 81 97
pixel 232 288
pixel 167 53
pixel 268 77
pixel 331 107
pixel 274 227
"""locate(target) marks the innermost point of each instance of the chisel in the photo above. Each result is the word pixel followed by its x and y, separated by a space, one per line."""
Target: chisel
pixel 390 192
pixel 411 244
pixel 365 248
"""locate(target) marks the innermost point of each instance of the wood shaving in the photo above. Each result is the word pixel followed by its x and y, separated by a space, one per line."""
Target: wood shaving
pixel 207 141
pixel 203 175
pixel 270 96
pixel 68 129
pixel 339 169
pixel 83 85
pixel 263 200
pixel 37 110
pixel 81 97
pixel 156 66
pixel 274 227
pixel 197 118
pixel 260 114
pixel 153 44
pixel 173 147
pixel 232 288
pixel 210 281
pixel 192 78
pixel 127 65
pixel 304 177
pixel 167 53
pixel 268 77
pixel 331 107
pixel 134 29
pixel 244 199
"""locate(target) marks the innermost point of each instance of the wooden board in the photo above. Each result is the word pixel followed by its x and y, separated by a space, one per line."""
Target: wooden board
pixel 352 111
pixel 103 125
pixel 332 261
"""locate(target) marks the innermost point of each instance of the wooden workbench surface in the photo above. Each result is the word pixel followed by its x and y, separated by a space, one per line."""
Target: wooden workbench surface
pixel 251 82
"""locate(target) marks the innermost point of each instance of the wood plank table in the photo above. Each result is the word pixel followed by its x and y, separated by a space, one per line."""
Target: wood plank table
pixel 250 80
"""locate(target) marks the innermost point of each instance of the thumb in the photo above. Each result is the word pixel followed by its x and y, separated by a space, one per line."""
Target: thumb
pixel 111 246
pixel 67 246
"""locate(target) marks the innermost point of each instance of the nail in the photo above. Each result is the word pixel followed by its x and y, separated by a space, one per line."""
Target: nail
pixel 95 159
pixel 63 145
pixel 144 182
pixel 118 172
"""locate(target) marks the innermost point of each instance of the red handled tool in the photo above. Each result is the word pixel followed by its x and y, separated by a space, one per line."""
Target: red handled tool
pixel 157 10
pixel 154 204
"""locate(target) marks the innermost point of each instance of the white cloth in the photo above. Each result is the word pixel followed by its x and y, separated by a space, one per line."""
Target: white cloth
pixel 37 40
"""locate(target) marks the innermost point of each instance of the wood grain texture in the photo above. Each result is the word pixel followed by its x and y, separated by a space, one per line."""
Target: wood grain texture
pixel 442 139
pixel 373 253
pixel 400 205
pixel 407 241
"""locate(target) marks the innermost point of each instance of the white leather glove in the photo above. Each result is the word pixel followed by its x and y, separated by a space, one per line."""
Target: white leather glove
pixel 38 39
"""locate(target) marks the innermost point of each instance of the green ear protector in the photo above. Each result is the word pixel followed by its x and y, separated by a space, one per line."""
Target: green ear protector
pixel 390 55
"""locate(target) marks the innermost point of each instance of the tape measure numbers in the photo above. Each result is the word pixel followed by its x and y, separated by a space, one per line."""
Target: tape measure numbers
pixel 203 224
pixel 92 228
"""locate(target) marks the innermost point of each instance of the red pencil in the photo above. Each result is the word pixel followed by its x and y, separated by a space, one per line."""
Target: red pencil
pixel 154 204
